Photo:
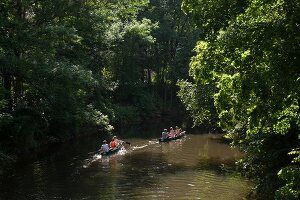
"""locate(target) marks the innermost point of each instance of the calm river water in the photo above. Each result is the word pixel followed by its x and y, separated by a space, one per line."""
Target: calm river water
pixel 194 167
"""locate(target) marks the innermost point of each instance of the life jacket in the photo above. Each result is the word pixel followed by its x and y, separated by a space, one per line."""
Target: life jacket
pixel 113 144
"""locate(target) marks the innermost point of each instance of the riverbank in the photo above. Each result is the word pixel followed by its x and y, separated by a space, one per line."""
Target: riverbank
pixel 46 147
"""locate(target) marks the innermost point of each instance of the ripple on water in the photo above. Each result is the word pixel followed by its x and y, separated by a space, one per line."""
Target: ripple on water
pixel 183 169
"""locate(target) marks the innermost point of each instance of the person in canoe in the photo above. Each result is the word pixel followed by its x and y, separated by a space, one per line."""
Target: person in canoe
pixel 172 132
pixel 164 134
pixel 114 142
pixel 177 131
pixel 117 140
pixel 104 147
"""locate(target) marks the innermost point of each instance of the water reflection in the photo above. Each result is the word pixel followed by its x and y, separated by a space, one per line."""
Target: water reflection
pixel 190 168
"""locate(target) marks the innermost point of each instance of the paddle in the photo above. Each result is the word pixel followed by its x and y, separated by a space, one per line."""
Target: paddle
pixel 126 142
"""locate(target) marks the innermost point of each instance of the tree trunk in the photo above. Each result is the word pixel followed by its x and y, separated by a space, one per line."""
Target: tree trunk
pixel 149 77
pixel 17 90
pixel 7 85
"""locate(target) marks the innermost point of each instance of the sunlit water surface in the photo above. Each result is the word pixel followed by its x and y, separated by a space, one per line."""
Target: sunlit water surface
pixel 195 167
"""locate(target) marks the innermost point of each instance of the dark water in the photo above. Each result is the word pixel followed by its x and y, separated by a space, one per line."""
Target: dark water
pixel 191 168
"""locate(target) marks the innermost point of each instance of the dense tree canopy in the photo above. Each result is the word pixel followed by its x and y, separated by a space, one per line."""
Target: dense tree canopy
pixel 253 63
pixel 67 66
pixel 50 62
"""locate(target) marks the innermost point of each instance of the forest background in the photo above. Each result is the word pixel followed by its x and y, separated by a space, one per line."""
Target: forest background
pixel 70 66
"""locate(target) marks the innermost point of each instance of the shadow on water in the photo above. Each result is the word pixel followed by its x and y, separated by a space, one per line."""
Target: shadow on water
pixel 195 167
pixel 150 164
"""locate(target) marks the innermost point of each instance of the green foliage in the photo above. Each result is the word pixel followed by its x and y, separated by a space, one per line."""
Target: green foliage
pixel 143 106
pixel 253 62
pixel 52 55
pixel 21 130
pixel 198 100
pixel 69 65
pixel 167 59
pixel 126 114
pixel 290 191
pixel 6 161
pixel 296 154
pixel 127 68
pixel 131 53
pixel 213 15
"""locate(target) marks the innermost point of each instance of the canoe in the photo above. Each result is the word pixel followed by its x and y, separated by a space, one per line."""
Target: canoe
pixel 112 151
pixel 182 134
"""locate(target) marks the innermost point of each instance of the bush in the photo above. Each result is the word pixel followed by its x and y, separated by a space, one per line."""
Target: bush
pixel 291 189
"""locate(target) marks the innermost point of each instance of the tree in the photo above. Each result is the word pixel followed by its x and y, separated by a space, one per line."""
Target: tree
pixel 250 61
pixel 50 71
pixel 169 55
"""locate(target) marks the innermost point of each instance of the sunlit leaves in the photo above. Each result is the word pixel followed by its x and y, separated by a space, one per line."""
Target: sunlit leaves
pixel 254 61
pixel 198 100
pixel 213 15
pixel 291 190
pixel 126 10
pixel 296 153
pixel 197 69
pixel 236 51
pixel 141 29
pixel 285 117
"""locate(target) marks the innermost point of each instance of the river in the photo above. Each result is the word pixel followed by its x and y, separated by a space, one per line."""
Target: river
pixel 195 167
